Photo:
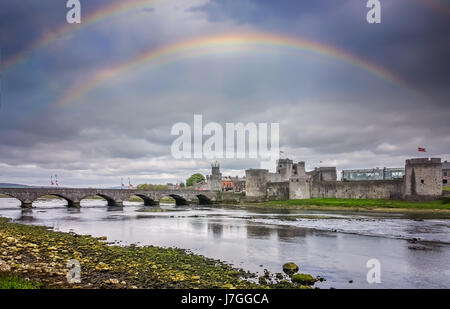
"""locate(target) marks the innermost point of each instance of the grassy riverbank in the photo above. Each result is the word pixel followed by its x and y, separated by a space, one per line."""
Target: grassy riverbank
pixel 356 204
pixel 9 281
pixel 36 257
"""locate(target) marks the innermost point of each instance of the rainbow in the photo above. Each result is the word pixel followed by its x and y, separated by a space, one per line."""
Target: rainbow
pixel 114 9
pixel 208 44
pixel 123 7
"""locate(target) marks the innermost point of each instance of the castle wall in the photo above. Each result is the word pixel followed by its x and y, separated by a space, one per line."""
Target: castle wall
pixel 274 177
pixel 328 173
pixel 363 189
pixel 278 191
pixel 299 188
pixel 370 189
pixel 324 189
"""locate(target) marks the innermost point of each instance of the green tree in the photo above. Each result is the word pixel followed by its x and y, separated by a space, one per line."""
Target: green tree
pixel 143 186
pixel 195 178
pixel 149 186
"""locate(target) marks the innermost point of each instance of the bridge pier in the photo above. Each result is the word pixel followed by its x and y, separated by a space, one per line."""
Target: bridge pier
pixel 73 204
pixel 115 203
pixel 26 204
pixel 148 202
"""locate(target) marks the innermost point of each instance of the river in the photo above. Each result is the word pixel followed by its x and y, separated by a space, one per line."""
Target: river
pixel 413 251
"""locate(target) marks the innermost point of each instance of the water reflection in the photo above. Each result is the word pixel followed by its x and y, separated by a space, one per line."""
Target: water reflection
pixel 259 231
pixel 26 215
pixel 286 234
pixel 197 225
pixel 216 229
pixel 114 208
pixel 73 210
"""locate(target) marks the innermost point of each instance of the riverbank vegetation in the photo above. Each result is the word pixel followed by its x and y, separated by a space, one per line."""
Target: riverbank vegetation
pixel 10 281
pixel 354 204
pixel 36 257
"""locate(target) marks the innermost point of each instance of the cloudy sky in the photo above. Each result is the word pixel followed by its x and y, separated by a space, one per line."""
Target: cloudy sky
pixel 76 103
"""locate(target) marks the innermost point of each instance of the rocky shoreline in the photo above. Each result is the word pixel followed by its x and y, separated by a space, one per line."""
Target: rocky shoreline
pixel 39 254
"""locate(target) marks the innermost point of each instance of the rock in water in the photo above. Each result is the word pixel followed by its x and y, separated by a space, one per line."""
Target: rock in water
pixel 290 268
pixel 303 279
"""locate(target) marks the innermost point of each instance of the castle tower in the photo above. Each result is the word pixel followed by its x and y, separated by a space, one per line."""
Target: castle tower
pixel 256 184
pixel 285 168
pixel 299 183
pixel 215 179
pixel 423 179
pixel 299 169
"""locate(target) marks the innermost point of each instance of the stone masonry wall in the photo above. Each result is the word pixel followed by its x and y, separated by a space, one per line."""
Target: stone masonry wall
pixel 423 178
pixel 278 191
pixel 369 189
pixel 256 184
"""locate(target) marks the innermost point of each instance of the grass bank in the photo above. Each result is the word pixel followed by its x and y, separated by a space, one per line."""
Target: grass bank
pixel 356 204
pixel 10 281
pixel 36 256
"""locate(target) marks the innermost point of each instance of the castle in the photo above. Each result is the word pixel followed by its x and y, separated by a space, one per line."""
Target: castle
pixel 422 181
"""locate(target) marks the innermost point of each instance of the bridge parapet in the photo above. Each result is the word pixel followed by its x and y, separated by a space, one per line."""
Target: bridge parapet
pixel 114 197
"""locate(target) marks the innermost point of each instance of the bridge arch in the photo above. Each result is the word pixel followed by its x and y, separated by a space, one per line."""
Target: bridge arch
pixel 11 196
pixel 179 200
pixel 148 201
pixel 70 202
pixel 93 197
pixel 203 199
pixel 111 201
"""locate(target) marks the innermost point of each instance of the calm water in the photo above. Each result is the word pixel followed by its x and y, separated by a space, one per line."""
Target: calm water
pixel 334 245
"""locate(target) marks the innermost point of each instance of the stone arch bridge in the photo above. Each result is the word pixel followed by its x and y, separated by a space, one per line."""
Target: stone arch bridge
pixel 114 197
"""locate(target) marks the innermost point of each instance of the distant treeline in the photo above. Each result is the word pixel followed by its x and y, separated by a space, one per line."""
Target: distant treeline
pixel 149 186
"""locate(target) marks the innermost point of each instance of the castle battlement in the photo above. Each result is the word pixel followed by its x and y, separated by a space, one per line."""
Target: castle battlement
pixel 417 161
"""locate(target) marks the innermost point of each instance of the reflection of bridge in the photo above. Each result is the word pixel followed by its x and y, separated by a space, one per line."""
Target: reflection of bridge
pixel 114 197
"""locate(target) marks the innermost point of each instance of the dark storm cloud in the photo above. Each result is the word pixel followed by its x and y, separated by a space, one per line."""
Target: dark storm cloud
pixel 326 108
pixel 25 22
pixel 412 39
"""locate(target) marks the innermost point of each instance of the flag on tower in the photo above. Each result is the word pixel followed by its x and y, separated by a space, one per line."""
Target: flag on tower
pixel 421 149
